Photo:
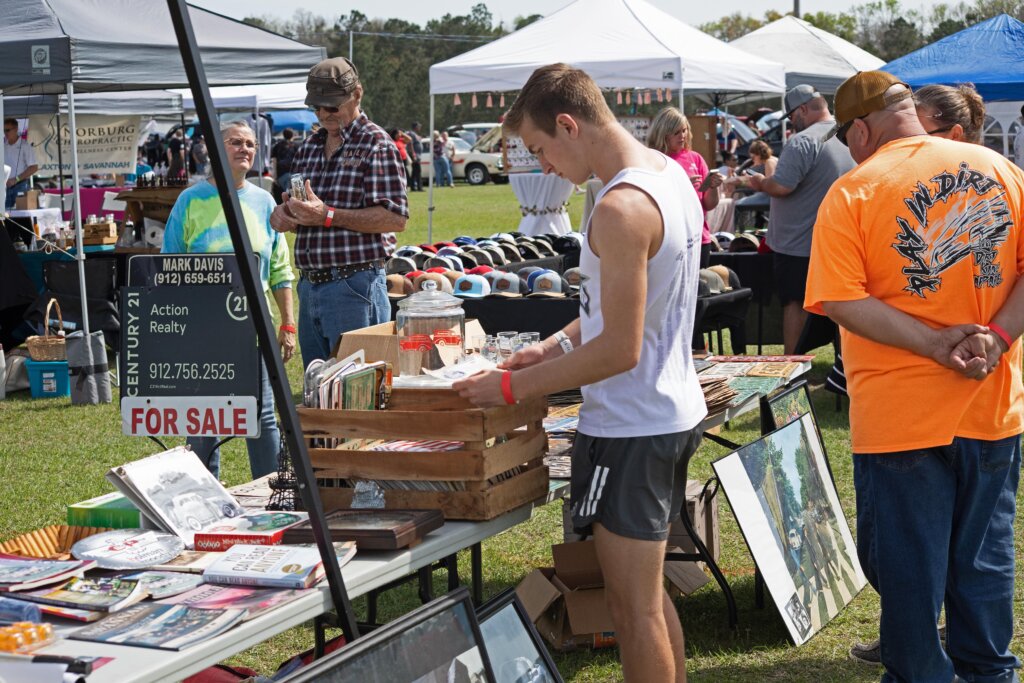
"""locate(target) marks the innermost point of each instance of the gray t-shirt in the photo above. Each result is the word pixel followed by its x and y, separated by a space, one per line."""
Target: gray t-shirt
pixel 809 167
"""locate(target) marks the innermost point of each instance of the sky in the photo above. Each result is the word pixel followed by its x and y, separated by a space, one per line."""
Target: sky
pixel 693 12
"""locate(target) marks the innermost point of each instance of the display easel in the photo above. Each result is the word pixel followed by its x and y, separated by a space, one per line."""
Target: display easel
pixel 343 616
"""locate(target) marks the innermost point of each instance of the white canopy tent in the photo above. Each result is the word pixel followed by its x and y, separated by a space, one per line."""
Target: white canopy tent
pixel 620 43
pixel 253 97
pixel 55 46
pixel 810 55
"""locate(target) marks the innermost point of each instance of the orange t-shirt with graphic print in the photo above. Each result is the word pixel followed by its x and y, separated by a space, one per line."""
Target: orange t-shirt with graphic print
pixel 932 228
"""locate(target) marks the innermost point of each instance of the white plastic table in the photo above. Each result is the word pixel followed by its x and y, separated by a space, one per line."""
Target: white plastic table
pixel 364 573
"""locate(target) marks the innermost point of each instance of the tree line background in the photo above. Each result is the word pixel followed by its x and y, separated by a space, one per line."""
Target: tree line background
pixel 394 55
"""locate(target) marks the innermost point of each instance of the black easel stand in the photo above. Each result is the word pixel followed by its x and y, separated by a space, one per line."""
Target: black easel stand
pixel 343 617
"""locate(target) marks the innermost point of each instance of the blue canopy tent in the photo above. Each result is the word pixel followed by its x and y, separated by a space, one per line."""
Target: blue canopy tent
pixel 299 120
pixel 990 55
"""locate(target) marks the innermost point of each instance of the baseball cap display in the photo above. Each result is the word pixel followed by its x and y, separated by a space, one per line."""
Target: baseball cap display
pixel 408 250
pixel 799 96
pixel 744 241
pixel 505 284
pixel 472 287
pixel 429 247
pixel 726 275
pixel 484 258
pixel 497 255
pixel 574 276
pixel 463 240
pixel 503 237
pixel 548 283
pixel 331 83
pixel 399 286
pixel 862 94
pixel 511 252
pixel 399 265
pixel 529 251
pixel 480 270
pixel 567 244
pixel 433 282
pixel 710 283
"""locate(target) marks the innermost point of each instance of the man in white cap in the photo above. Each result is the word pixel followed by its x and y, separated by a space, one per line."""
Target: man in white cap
pixel 356 201
pixel 806 170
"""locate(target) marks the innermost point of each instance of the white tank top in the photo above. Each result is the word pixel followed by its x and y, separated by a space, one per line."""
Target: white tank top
pixel 661 395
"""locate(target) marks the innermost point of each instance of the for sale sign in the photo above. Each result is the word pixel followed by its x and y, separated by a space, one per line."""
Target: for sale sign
pixel 189 361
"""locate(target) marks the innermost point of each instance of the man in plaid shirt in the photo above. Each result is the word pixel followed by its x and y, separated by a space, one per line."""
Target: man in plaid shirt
pixel 355 203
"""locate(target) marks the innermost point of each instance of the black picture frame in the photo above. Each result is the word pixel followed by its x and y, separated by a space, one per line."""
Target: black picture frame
pixel 536 666
pixel 779 405
pixel 423 646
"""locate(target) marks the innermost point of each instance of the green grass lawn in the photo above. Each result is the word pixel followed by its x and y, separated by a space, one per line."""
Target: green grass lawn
pixel 53 454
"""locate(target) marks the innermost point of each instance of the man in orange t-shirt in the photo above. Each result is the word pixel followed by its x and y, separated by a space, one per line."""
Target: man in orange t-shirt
pixel 917 256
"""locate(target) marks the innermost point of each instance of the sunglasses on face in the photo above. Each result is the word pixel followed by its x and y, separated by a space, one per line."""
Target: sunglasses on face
pixel 944 129
pixel 844 129
pixel 329 110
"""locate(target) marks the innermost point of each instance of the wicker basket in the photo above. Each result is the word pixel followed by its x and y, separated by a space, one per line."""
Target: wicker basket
pixel 48 347
pixel 49 543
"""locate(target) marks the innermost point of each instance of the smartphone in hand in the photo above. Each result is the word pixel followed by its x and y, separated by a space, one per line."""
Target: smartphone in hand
pixel 707 181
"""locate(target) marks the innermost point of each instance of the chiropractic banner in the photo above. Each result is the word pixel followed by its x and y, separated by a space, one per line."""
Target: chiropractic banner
pixel 106 144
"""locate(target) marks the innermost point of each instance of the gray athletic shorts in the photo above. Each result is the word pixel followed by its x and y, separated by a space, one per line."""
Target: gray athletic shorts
pixel 631 486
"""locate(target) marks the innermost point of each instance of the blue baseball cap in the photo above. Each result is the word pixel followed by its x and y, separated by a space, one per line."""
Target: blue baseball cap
pixel 463 240
pixel 472 287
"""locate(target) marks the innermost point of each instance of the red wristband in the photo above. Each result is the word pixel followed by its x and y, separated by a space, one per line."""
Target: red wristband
pixel 506 388
pixel 1002 334
pixel 288 328
pixel 329 218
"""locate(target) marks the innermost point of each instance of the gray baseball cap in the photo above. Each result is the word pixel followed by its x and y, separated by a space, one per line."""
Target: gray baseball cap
pixel 799 96
pixel 331 83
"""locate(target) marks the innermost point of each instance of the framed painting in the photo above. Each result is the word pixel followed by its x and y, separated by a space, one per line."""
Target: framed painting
pixel 516 651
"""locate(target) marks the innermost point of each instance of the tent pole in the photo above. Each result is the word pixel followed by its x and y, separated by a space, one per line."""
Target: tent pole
pixel 79 247
pixel 430 176
pixel 60 165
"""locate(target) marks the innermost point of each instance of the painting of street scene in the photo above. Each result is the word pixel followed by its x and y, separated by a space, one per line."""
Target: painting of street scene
pixel 788 510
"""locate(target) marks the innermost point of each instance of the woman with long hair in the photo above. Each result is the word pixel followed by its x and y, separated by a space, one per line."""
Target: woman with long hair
pixel 670 134
pixel 954 113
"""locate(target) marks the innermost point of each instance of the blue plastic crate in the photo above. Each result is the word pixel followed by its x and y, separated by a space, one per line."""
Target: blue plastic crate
pixel 48 379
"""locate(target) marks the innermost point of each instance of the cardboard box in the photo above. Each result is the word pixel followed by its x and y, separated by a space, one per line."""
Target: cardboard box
pixel 27 201
pixel 380 342
pixel 567 602
pixel 703 510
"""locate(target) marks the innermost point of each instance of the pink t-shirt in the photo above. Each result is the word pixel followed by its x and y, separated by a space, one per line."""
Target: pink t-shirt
pixel 694 164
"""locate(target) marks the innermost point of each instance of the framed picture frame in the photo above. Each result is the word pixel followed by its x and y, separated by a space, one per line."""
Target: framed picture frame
pixel 439 642
pixel 516 650
pixel 372 529
pixel 791 519
pixel 789 404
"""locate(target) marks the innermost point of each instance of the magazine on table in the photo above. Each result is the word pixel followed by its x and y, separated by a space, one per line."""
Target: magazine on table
pixel 100 594
pixel 176 491
pixel 190 561
pixel 19 573
pixel 255 601
pixel 167 627
pixel 86 615
pixel 273 566
pixel 165 584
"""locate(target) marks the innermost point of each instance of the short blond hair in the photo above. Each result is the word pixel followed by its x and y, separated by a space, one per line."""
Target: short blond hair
pixel 665 123
pixel 557 89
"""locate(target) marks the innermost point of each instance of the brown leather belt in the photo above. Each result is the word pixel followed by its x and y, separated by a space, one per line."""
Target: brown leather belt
pixel 322 275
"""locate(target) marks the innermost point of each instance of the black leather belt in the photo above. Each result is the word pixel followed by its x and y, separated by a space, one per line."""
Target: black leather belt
pixel 321 275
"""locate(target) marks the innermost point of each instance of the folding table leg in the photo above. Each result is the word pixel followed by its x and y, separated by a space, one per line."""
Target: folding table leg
pixel 426 579
pixel 476 563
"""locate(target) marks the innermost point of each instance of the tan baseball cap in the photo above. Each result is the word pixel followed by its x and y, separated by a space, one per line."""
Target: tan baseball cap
pixel 331 83
pixel 864 93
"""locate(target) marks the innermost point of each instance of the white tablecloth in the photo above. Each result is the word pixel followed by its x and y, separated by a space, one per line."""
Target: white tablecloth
pixel 542 200
pixel 47 218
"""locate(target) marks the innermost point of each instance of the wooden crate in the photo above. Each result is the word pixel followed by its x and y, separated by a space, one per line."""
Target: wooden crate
pixel 433 414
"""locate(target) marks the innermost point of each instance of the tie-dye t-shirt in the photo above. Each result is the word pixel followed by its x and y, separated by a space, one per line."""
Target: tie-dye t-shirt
pixel 932 228
pixel 197 226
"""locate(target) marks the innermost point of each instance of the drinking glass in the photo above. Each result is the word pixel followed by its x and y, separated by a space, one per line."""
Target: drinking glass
pixel 506 343
pixel 490 350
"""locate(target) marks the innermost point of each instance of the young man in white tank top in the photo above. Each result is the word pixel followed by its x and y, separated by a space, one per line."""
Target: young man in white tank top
pixel 629 351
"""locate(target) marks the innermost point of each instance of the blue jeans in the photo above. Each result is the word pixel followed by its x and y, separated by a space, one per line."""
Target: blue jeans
pixel 934 527
pixel 263 449
pixel 443 172
pixel 329 309
pixel 12 193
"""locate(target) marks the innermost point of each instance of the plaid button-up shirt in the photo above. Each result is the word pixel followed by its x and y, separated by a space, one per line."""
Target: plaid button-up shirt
pixel 364 171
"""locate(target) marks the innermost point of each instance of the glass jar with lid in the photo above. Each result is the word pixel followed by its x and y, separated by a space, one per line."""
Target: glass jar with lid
pixel 431 327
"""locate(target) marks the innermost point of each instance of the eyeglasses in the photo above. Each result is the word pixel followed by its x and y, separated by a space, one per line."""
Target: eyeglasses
pixel 239 143
pixel 944 129
pixel 329 110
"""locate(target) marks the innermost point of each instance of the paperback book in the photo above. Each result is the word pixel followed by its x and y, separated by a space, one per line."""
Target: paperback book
pixel 273 566
pixel 167 627
pixel 25 573
pixel 263 528
pixel 190 561
pixel 103 594
pixel 176 492
pixel 255 601
pixel 85 615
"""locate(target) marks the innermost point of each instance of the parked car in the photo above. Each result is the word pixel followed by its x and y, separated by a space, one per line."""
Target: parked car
pixel 471 132
pixel 474 166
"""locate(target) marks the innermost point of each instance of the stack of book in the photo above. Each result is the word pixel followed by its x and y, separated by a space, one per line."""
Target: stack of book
pixel 25 573
pixel 717 394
